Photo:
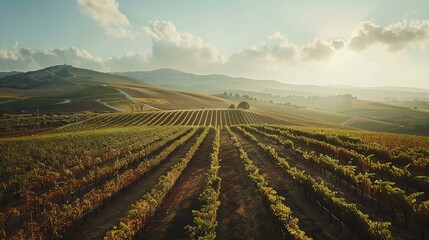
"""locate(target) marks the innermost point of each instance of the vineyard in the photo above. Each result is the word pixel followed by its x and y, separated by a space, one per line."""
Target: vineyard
pixel 203 117
pixel 180 175
pixel 24 124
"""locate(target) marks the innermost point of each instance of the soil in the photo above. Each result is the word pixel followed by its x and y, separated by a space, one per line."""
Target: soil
pixel 176 210
pixel 384 214
pixel 241 214
pixel 101 221
pixel 311 220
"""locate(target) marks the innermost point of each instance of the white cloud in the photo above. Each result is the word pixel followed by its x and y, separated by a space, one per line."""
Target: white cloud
pixel 106 13
pixel 395 36
pixel 278 48
pixel 128 62
pixel 319 50
pixel 25 59
pixel 319 61
pixel 183 51
pixel 338 44
pixel 175 49
pixel 279 53
pixel 6 53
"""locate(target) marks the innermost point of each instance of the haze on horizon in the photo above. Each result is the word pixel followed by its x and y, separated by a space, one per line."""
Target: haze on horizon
pixel 358 43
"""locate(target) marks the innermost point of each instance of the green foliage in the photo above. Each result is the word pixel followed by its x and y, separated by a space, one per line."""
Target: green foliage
pixel 243 105
pixel 353 217
pixel 276 202
pixel 147 205
pixel 204 220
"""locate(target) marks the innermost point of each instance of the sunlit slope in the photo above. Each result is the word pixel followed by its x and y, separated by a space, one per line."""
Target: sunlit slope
pixel 204 117
pixel 360 114
pixel 65 88
pixel 167 99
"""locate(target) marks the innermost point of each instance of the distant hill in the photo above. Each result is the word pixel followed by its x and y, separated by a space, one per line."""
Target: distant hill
pixel 391 109
pixel 64 88
pixel 5 74
pixel 214 83
pixel 68 76
pixel 58 75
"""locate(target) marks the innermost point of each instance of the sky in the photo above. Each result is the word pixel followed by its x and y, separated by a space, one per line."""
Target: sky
pixel 363 43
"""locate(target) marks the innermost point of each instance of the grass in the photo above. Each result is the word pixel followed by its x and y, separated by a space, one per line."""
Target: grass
pixel 362 114
pixel 28 103
pixel 156 101
pixel 169 100
pixel 88 92
pixel 300 112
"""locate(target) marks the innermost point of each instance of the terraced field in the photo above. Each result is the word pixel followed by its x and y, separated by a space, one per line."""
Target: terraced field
pixel 243 181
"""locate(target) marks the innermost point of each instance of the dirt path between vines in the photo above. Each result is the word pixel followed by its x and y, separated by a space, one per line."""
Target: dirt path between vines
pixel 176 211
pixel 397 228
pixel 384 214
pixel 311 220
pixel 98 224
pixel 241 214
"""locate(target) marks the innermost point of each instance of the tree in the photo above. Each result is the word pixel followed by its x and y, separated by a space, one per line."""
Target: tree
pixel 232 106
pixel 243 105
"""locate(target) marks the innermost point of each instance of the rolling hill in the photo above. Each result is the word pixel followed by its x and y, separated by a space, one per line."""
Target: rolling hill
pixel 64 88
pixel 364 108
pixel 215 83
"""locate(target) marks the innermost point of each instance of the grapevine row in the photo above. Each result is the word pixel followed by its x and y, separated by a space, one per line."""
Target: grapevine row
pixel 204 220
pixel 41 156
pixel 401 156
pixel 363 162
pixel 71 185
pixel 277 206
pixel 55 220
pixel 145 207
pixel 348 212
pixel 383 191
pixel 189 117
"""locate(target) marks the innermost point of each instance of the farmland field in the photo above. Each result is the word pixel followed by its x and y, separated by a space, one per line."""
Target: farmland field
pixel 212 174
pixel 203 117
pixel 153 120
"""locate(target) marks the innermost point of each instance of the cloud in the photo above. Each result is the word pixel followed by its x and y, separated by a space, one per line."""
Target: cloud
pixel 319 50
pixel 179 50
pixel 7 54
pixel 338 44
pixel 171 49
pixel 277 57
pixel 106 13
pixel 175 49
pixel 273 54
pixel 395 36
pixel 25 59
pixel 278 52
pixel 128 62
pixel 277 48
